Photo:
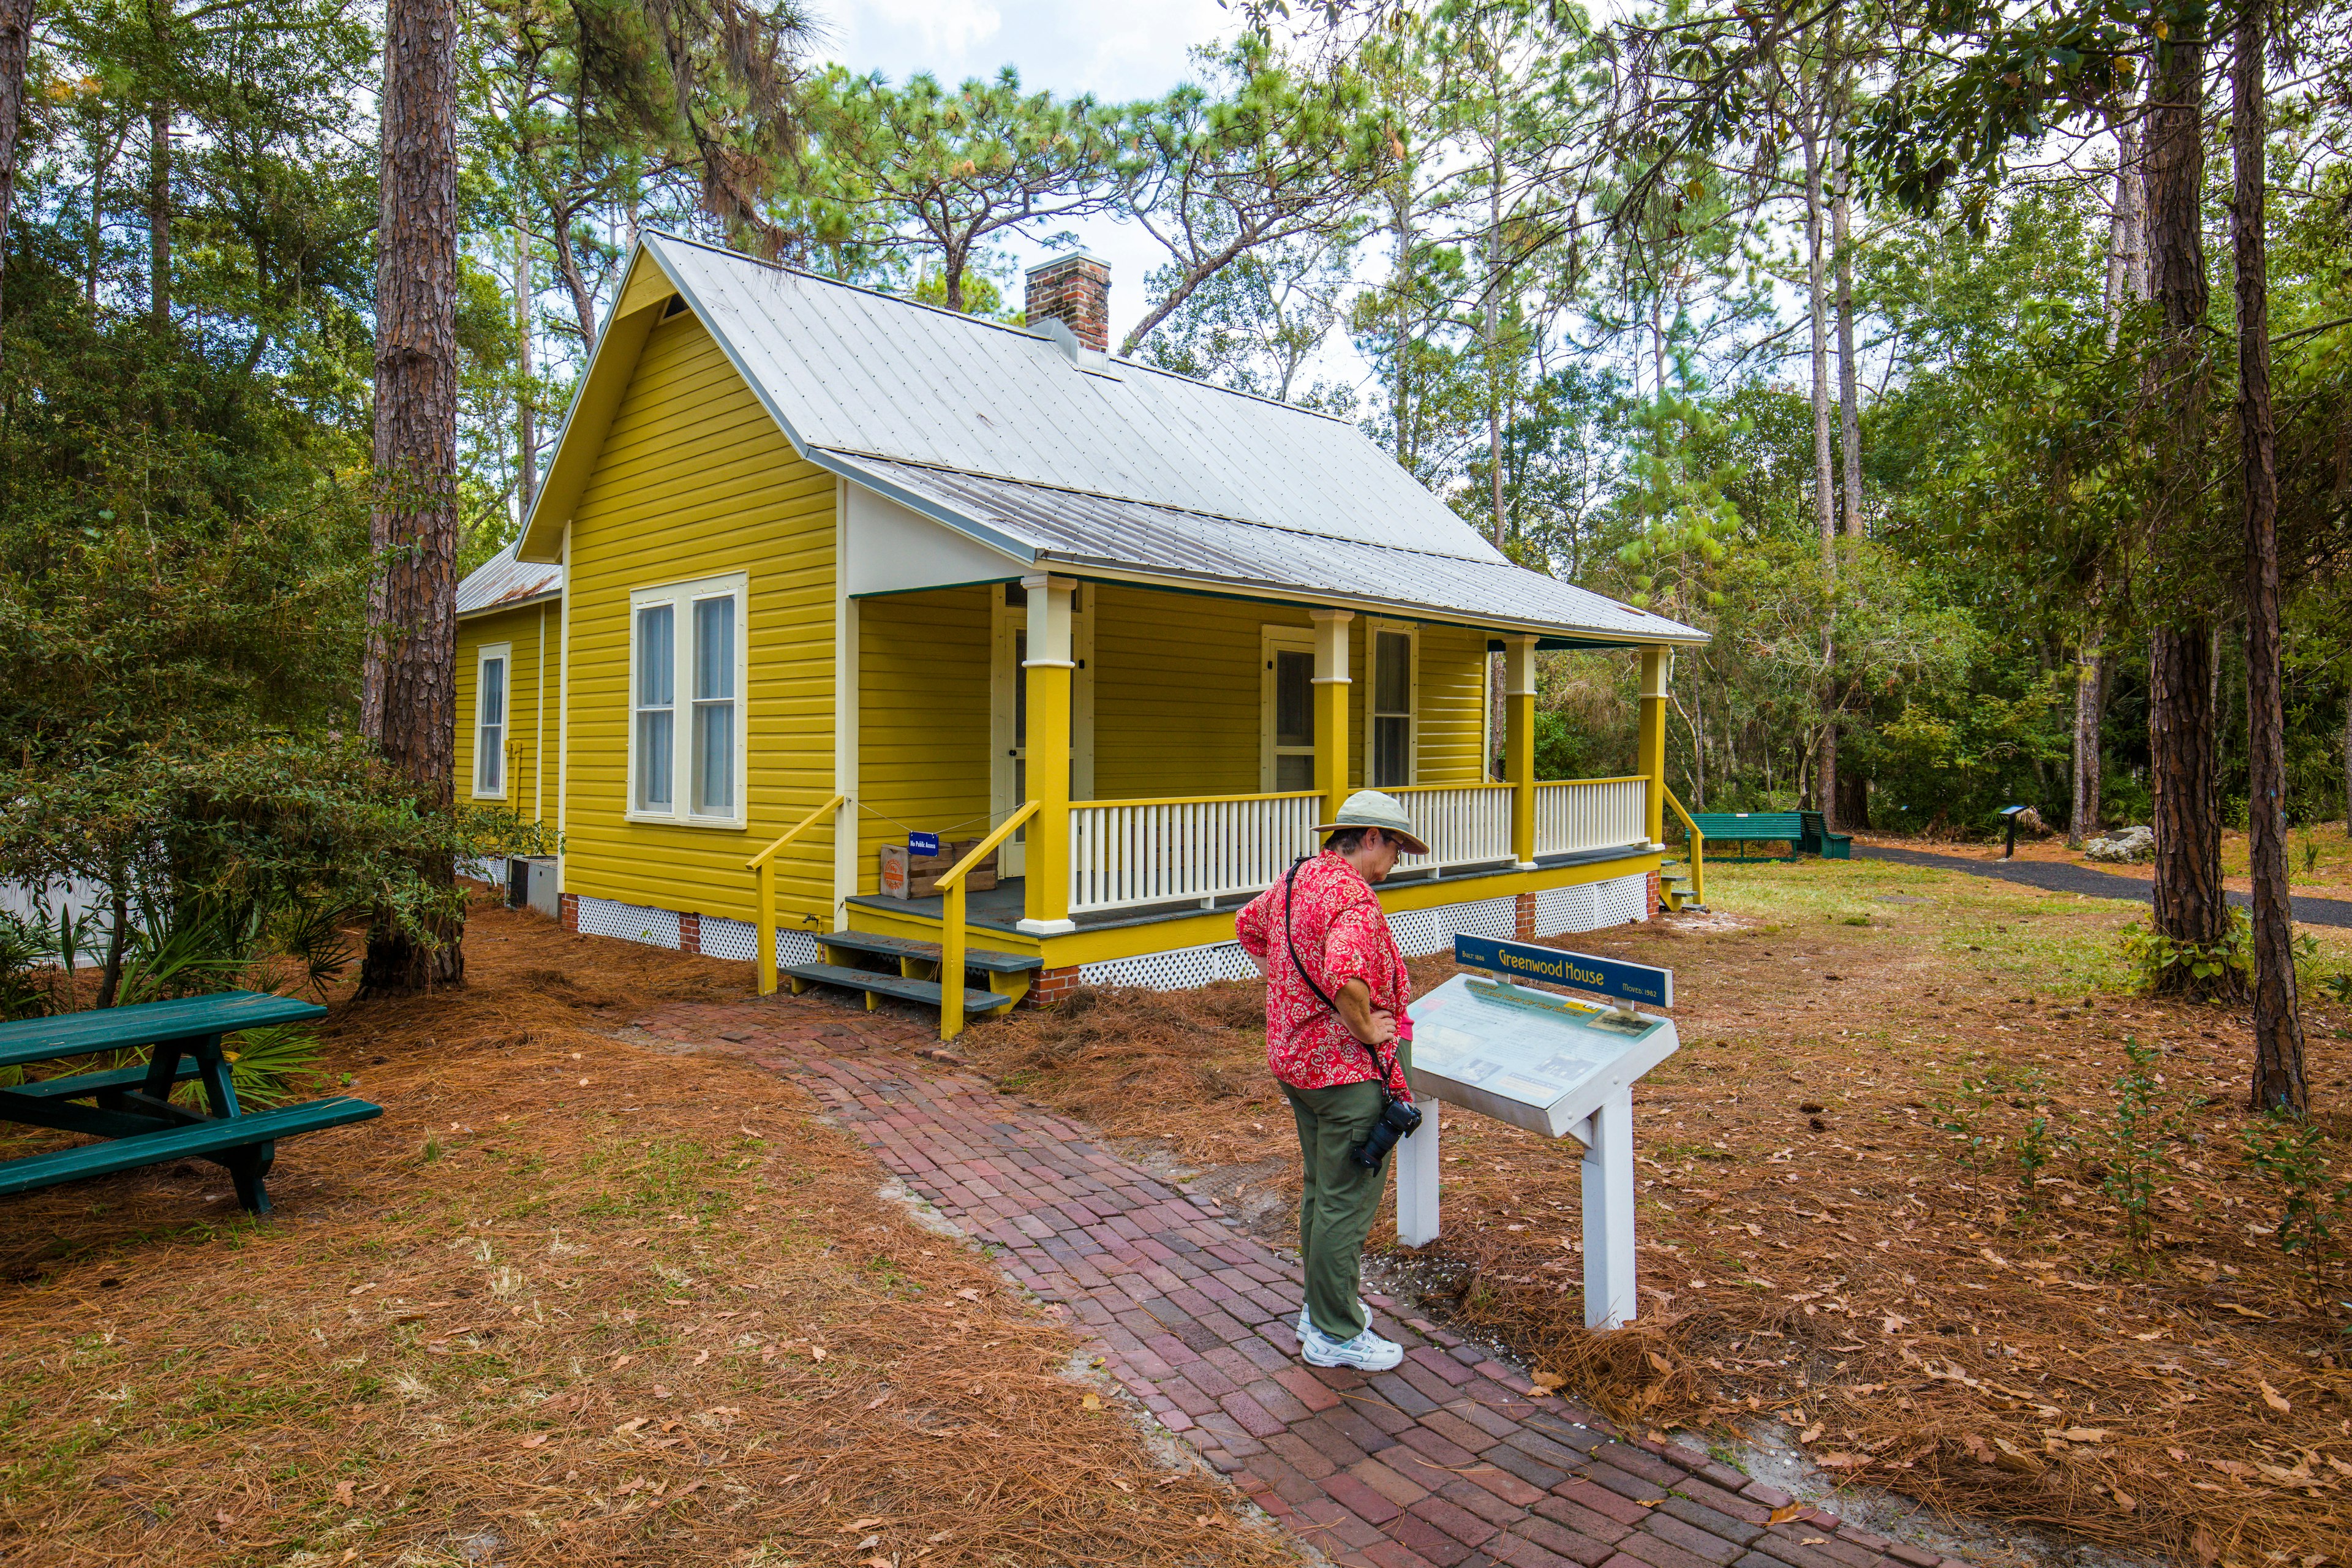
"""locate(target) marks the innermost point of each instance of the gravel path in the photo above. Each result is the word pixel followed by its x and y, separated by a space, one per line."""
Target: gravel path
pixel 2063 877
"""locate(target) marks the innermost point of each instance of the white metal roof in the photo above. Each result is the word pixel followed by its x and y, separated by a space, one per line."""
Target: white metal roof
pixel 858 372
pixel 1102 535
pixel 502 581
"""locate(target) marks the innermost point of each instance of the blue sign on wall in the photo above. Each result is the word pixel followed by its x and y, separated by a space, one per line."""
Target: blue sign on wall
pixel 1579 971
pixel 922 842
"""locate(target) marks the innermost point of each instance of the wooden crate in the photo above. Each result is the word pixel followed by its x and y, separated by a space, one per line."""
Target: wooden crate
pixel 907 875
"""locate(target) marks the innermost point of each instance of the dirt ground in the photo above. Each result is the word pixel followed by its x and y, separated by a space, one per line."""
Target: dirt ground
pixel 570 1300
pixel 2319 856
pixel 1838 1233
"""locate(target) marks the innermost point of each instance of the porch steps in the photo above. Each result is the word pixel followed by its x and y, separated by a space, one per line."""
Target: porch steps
pixel 928 951
pixel 1674 887
pixel 873 983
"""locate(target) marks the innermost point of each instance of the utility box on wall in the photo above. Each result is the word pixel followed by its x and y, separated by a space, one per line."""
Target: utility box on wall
pixel 531 884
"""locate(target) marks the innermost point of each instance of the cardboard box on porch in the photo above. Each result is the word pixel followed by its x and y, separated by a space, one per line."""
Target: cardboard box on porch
pixel 907 875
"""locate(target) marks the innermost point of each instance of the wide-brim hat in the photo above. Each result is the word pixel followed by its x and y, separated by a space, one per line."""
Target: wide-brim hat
pixel 1370 808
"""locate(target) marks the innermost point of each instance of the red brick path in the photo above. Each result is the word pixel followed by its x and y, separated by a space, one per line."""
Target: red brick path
pixel 1446 1460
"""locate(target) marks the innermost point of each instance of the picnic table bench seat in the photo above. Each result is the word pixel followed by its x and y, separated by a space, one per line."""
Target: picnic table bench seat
pixel 1804 832
pixel 131 1106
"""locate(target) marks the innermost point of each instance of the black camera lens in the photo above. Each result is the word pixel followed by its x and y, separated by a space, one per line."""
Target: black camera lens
pixel 1399 1119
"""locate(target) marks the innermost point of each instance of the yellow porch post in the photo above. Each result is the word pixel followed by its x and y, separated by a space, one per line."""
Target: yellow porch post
pixel 1650 759
pixel 1331 708
pixel 1047 670
pixel 1519 743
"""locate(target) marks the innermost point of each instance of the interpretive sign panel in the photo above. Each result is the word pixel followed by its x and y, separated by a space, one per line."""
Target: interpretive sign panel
pixel 1528 1058
pixel 1577 971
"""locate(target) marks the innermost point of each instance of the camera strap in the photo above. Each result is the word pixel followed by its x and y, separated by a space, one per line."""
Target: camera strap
pixel 1289 896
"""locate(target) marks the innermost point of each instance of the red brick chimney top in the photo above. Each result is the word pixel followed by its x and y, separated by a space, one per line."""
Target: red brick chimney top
pixel 1075 288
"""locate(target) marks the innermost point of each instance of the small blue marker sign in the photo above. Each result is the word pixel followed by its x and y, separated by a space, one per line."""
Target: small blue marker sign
pixel 922 842
pixel 1578 971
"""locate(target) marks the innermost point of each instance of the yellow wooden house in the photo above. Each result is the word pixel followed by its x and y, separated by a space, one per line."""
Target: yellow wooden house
pixel 816 568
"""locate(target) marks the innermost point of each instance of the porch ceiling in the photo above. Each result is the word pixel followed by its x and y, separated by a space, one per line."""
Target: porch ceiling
pixel 1102 536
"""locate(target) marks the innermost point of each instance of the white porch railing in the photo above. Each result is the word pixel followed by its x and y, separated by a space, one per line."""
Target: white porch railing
pixel 1463 824
pixel 1129 852
pixel 1590 814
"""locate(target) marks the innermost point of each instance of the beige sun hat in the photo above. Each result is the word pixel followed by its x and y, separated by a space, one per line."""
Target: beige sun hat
pixel 1370 808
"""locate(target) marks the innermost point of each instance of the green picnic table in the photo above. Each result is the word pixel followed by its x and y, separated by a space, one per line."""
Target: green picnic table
pixel 131 1107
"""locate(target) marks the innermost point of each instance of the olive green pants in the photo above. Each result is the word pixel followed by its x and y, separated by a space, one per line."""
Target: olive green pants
pixel 1337 1200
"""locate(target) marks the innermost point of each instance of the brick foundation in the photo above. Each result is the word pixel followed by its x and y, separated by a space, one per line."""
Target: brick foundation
pixel 1048 986
pixel 1523 924
pixel 689 933
pixel 568 905
pixel 1652 899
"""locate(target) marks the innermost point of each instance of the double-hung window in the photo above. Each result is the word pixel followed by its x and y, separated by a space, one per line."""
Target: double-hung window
pixel 1391 707
pixel 490 668
pixel 686 673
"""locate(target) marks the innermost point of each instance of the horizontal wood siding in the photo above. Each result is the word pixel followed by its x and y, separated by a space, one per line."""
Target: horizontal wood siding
pixel 694 480
pixel 1177 688
pixel 922 719
pixel 520 628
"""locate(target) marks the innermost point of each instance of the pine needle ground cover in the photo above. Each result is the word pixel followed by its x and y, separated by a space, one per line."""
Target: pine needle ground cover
pixel 1906 1197
pixel 570 1300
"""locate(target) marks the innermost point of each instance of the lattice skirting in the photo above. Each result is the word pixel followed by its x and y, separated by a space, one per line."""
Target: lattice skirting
pixel 630 922
pixel 490 869
pixel 740 940
pixel 1588 906
pixel 720 937
pixel 1181 969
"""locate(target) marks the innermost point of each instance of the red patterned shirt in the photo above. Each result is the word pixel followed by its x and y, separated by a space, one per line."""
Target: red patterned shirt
pixel 1342 934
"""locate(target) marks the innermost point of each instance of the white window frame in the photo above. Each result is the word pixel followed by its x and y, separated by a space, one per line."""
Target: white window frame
pixel 682 597
pixel 1271 640
pixel 1412 633
pixel 502 654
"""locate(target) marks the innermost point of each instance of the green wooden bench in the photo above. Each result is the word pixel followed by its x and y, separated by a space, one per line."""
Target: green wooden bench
pixel 131 1106
pixel 1803 832
pixel 1818 840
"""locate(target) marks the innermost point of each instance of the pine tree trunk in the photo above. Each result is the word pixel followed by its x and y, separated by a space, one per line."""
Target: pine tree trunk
pixel 16 43
pixel 2278 1079
pixel 408 704
pixel 1824 468
pixel 159 216
pixel 2090 720
pixel 2189 908
pixel 1849 374
pixel 525 422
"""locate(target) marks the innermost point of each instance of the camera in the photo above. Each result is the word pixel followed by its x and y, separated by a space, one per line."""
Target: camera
pixel 1398 1120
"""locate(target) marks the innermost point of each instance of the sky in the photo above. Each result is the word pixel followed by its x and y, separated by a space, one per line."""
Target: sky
pixel 1113 49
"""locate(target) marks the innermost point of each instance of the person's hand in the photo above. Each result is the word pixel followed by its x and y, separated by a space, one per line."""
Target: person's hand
pixel 1381 1027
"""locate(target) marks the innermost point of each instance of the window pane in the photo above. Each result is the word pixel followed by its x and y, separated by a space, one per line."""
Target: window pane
pixel 1294 698
pixel 1393 673
pixel 1391 751
pixel 714 759
pixel 714 647
pixel 654 733
pixel 657 655
pixel 493 704
pixel 492 746
pixel 1293 772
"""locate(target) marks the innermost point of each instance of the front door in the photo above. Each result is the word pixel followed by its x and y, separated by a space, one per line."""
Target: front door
pixel 1008 770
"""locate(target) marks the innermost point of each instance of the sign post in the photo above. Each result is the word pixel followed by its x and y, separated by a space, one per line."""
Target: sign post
pixel 1552 1065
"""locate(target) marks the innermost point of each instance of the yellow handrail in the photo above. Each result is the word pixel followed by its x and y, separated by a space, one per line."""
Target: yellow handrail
pixel 951 932
pixel 764 864
pixel 1697 847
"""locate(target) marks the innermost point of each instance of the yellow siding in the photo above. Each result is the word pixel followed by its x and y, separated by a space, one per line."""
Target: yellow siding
pixel 525 730
pixel 923 719
pixel 1178 684
pixel 694 480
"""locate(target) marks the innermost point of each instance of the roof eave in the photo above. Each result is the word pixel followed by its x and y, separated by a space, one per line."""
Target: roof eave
pixel 545 596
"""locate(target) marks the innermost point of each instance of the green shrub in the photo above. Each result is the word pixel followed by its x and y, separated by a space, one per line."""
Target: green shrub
pixel 2296 1157
pixel 2164 966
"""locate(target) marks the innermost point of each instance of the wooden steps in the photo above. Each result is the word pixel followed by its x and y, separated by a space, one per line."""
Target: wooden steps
pixel 905 987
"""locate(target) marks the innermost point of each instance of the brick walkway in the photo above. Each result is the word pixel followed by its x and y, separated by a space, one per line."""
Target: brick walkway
pixel 1446 1460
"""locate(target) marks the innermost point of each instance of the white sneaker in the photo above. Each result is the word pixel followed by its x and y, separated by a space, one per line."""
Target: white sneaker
pixel 1305 1322
pixel 1366 1352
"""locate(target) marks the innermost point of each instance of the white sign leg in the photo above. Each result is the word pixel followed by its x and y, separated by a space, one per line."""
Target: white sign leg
pixel 1416 1179
pixel 1609 1300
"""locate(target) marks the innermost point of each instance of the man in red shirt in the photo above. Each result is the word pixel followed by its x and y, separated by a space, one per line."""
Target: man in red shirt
pixel 1336 990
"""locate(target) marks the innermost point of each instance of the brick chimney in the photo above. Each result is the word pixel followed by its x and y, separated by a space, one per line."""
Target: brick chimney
pixel 1075 290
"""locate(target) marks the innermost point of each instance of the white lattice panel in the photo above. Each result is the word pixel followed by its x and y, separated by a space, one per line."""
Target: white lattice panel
pixel 606 917
pixel 1496 918
pixel 1234 962
pixel 1588 906
pixel 739 941
pixel 1180 970
pixel 490 869
pixel 1417 932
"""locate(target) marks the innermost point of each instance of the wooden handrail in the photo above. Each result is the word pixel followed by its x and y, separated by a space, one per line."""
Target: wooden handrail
pixel 952 926
pixel 1630 778
pixel 763 863
pixel 1431 789
pixel 1697 844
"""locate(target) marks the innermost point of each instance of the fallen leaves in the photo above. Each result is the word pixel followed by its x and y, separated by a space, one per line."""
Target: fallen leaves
pixel 2274 1399
pixel 1785 1511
